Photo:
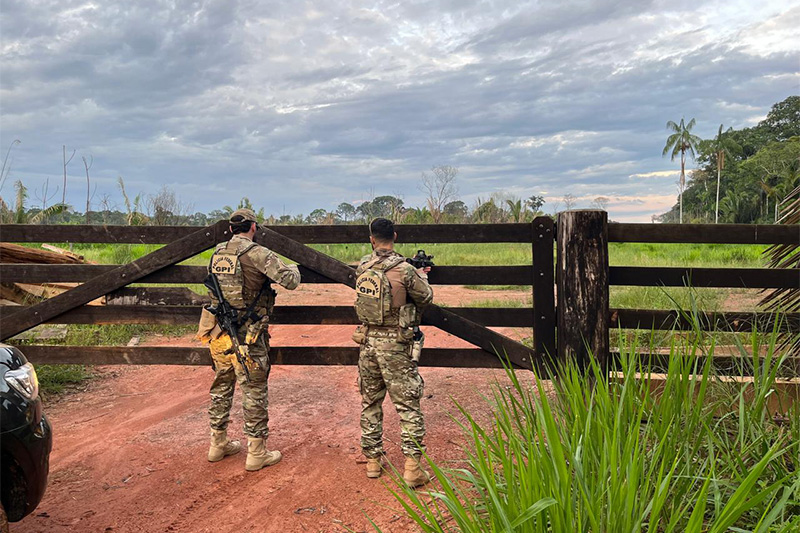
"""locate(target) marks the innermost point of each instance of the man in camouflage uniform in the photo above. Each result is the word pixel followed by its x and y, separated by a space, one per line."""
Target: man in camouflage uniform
pixel 390 297
pixel 244 270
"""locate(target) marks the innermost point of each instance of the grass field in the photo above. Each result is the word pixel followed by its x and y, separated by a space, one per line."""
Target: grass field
pixel 487 254
pixel 497 254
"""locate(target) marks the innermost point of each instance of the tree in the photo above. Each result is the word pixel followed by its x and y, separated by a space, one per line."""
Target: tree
pixel 441 189
pixel 456 210
pixel 535 203
pixel 317 216
pixel 601 202
pixel 18 214
pixel 65 163
pixel 516 208
pixel 346 211
pixel 569 201
pixel 783 120
pixel 87 165
pixel 681 141
pixel 722 145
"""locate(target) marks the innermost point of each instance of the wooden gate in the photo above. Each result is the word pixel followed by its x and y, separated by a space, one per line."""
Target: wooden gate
pixel 159 266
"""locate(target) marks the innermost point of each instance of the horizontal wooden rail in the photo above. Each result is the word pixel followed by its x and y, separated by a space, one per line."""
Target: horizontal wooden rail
pixel 283 314
pixel 750 278
pixel 283 355
pixel 705 233
pixel 325 355
pixel 725 321
pixel 440 275
pixel 406 233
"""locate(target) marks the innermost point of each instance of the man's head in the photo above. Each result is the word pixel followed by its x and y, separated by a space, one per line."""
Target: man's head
pixel 381 233
pixel 243 221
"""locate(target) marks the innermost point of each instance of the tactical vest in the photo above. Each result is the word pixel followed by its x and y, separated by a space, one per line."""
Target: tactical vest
pixel 226 264
pixel 374 293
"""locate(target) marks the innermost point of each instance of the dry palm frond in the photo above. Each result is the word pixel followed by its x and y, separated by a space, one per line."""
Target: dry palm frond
pixel 44 214
pixel 786 256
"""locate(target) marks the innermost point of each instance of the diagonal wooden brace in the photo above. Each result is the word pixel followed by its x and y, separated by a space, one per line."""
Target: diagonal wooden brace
pixel 481 336
pixel 170 254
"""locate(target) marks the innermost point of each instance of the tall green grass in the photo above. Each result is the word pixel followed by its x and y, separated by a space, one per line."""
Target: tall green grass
pixel 599 453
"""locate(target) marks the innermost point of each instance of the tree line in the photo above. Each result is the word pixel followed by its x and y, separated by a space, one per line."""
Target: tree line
pixel 165 208
pixel 744 175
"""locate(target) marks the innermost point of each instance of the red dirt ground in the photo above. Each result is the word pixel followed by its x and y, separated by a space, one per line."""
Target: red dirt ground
pixel 129 452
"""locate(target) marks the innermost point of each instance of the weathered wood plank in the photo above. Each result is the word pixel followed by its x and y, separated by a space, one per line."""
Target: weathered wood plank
pixel 705 233
pixel 582 274
pixel 434 315
pixel 722 364
pixel 283 314
pixel 170 254
pixel 406 233
pixel 752 278
pixel 328 355
pixel 544 305
pixel 444 275
pixel 284 355
pixel 727 321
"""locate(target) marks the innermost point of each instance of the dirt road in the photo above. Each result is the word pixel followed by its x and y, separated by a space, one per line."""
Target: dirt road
pixel 129 454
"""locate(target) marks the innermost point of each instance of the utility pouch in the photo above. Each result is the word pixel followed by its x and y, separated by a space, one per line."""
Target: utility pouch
pixel 404 335
pixel 416 346
pixel 253 333
pixel 408 316
pixel 208 329
pixel 360 335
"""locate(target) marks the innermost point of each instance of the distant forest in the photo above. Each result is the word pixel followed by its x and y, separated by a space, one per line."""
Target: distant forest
pixel 758 168
pixel 753 170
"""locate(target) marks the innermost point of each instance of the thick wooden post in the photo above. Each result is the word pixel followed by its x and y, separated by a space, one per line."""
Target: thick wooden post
pixel 582 279
pixel 544 304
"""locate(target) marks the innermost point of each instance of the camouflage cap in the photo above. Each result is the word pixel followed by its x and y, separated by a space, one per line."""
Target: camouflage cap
pixel 242 215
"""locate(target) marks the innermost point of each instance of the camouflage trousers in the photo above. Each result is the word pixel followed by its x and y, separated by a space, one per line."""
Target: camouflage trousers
pixel 385 365
pixel 254 394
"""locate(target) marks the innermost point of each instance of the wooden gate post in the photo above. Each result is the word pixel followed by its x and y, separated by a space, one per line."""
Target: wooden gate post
pixel 544 304
pixel 582 280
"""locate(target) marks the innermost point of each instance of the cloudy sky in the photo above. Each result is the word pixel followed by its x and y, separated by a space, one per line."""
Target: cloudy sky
pixel 307 104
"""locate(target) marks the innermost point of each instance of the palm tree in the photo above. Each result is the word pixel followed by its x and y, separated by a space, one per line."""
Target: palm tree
pixel 20 215
pixel 680 142
pixel 723 145
pixel 516 208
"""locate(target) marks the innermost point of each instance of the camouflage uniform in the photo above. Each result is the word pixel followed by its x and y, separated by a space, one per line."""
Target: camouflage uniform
pixel 385 363
pixel 258 266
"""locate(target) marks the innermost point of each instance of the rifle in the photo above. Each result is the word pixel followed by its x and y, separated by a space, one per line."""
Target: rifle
pixel 228 320
pixel 421 260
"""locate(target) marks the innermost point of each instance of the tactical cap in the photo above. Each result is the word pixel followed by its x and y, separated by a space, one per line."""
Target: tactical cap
pixel 243 215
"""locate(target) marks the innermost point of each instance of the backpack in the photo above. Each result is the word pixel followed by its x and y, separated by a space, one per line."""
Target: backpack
pixel 225 264
pixel 374 292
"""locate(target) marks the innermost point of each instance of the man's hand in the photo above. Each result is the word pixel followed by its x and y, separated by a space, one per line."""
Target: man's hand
pixel 423 272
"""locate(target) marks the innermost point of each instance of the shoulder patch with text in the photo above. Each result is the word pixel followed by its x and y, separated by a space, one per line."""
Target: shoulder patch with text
pixel 224 263
pixel 369 284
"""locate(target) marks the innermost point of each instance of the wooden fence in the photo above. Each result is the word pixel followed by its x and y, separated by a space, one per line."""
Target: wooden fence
pixel 580 278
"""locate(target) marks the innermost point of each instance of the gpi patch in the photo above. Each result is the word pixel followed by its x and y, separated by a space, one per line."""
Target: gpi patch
pixel 369 284
pixel 224 263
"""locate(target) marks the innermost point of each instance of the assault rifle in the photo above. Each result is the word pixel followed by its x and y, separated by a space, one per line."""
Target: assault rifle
pixel 228 320
pixel 421 260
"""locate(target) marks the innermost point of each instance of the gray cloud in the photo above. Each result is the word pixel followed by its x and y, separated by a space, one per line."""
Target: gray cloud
pixel 310 104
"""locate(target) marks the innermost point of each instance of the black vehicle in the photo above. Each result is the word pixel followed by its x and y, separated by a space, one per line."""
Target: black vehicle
pixel 25 436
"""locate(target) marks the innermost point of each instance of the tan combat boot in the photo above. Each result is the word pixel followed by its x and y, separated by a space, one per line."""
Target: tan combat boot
pixel 414 475
pixel 258 456
pixel 221 446
pixel 374 467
